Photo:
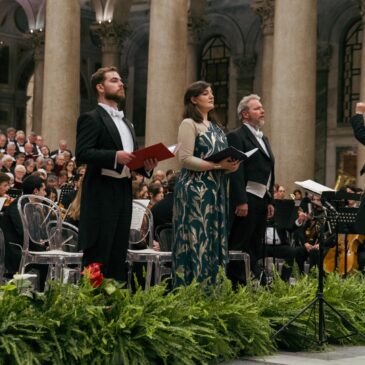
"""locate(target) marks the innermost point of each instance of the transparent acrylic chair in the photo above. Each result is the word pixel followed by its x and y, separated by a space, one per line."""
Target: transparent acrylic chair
pixel 164 236
pixel 141 234
pixel 42 224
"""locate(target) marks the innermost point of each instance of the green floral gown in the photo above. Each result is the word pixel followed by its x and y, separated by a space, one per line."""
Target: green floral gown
pixel 200 216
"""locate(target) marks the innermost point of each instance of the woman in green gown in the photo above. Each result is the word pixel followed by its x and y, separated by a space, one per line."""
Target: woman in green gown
pixel 200 200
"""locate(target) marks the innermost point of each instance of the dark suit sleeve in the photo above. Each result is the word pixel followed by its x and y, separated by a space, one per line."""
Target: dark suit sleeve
pixel 87 151
pixel 357 123
pixel 238 194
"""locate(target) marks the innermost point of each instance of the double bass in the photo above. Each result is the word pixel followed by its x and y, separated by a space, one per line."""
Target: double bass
pixel 348 258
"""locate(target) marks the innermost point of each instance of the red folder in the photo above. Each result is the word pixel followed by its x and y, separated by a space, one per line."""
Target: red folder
pixel 158 151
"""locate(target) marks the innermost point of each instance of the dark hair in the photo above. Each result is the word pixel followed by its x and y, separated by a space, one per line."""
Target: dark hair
pixel 154 189
pixel 4 177
pixel 190 110
pixel 49 191
pixel 99 76
pixel 171 182
pixel 30 183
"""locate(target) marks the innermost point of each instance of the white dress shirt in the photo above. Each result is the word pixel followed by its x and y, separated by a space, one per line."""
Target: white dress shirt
pixel 254 187
pixel 126 137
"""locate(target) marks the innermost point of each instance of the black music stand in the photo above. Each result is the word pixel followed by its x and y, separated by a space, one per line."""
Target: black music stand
pixel 360 218
pixel 285 210
pixel 319 298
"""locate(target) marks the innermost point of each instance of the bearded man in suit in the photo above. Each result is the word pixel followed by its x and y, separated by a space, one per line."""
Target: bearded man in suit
pixel 251 188
pixel 105 142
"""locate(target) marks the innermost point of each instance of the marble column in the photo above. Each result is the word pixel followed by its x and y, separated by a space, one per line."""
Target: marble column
pixel 265 9
pixel 360 180
pixel 324 53
pixel 294 90
pixel 61 91
pixel 37 39
pixel 111 36
pixel 166 81
pixel 195 27
pixel 245 71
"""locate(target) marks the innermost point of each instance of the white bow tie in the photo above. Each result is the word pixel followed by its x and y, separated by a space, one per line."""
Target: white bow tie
pixel 258 134
pixel 117 113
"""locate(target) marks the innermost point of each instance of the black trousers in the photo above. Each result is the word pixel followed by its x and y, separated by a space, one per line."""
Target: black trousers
pixel 114 225
pixel 247 235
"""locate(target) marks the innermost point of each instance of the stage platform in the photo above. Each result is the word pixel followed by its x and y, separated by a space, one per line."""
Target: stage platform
pixel 335 355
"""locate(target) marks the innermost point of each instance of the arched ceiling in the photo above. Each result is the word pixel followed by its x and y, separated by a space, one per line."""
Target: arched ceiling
pixel 34 9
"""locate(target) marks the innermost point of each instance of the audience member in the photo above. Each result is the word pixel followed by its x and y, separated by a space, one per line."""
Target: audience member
pixel 19 172
pixel 10 132
pixel 11 149
pixel 3 141
pixel 29 166
pixel 20 141
pixel 7 163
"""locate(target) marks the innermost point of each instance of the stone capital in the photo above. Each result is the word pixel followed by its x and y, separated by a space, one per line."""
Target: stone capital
pixel 245 66
pixel 324 54
pixel 195 28
pixel 361 5
pixel 36 38
pixel 265 9
pixel 111 35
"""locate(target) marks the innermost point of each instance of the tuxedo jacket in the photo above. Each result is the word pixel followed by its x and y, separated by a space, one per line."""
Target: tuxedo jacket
pixel 97 141
pixel 256 168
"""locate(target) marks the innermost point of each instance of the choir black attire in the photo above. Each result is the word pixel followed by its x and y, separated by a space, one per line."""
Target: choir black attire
pixel 247 233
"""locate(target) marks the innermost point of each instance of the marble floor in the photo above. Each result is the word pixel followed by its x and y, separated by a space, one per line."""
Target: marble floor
pixel 335 355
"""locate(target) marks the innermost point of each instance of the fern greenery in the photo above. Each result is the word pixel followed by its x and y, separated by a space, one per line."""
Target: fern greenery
pixel 190 325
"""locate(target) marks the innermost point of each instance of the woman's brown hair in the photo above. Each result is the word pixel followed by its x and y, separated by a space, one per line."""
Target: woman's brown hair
pixel 190 110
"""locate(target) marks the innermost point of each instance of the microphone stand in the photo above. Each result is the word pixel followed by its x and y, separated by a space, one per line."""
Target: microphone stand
pixel 319 298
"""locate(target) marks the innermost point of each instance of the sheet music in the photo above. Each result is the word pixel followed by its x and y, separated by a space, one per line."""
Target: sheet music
pixel 2 201
pixel 174 148
pixel 251 152
pixel 313 186
pixel 138 214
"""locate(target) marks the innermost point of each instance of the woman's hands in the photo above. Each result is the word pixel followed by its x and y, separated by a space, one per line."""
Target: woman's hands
pixel 229 164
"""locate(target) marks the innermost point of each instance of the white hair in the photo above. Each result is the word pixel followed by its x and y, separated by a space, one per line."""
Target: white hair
pixel 243 104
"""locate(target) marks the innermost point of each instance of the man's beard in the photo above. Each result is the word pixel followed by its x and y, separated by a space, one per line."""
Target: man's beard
pixel 115 97
pixel 261 123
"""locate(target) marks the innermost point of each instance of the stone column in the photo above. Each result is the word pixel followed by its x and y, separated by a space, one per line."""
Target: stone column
pixel 195 27
pixel 324 53
pixel 111 36
pixel 166 81
pixel 61 91
pixel 37 39
pixel 294 90
pixel 360 180
pixel 245 76
pixel 265 9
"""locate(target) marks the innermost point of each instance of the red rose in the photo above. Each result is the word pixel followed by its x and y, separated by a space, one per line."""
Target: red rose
pixel 94 273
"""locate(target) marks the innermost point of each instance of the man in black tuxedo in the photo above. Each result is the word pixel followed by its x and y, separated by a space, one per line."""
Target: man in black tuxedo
pixel 251 188
pixel 105 142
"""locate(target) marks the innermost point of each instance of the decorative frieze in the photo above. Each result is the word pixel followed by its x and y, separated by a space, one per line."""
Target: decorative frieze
pixel 265 9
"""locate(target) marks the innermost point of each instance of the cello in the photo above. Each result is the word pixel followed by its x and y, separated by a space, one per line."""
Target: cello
pixel 348 259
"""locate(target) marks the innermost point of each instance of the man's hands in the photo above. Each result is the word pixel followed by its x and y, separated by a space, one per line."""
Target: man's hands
pixel 270 211
pixel 310 247
pixel 360 108
pixel 241 210
pixel 124 157
pixel 150 164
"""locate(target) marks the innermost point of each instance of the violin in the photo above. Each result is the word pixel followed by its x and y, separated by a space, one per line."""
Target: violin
pixel 330 263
